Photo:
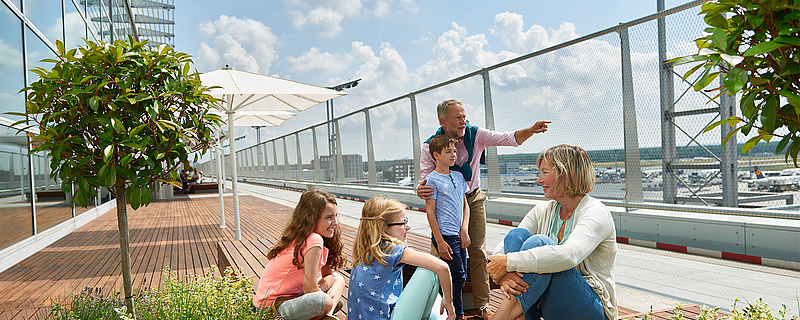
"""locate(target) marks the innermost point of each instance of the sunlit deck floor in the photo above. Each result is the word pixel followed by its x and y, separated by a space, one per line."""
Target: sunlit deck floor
pixel 181 233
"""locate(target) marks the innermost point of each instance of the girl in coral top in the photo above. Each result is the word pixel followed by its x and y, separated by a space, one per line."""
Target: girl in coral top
pixel 300 281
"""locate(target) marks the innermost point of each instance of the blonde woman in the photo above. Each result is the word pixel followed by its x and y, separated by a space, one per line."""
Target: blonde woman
pixel 559 262
pixel 376 282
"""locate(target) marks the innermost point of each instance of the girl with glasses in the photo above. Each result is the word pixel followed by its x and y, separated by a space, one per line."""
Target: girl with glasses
pixel 379 254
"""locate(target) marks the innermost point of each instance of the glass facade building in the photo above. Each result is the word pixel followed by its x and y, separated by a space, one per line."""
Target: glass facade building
pixel 31 202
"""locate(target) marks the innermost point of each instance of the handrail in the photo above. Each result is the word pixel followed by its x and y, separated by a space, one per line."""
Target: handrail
pixel 508 62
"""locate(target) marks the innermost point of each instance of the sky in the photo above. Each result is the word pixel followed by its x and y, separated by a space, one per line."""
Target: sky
pixel 394 46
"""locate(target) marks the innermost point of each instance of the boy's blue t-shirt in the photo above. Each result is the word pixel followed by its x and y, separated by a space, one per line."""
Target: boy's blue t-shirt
pixel 374 289
pixel 448 191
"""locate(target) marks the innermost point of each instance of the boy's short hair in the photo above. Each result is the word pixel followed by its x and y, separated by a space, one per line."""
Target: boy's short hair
pixel 438 143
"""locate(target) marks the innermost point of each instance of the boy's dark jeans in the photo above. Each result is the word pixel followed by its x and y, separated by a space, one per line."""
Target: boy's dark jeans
pixel 458 270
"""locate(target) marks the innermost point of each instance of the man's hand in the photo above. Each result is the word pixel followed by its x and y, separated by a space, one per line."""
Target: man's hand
pixel 445 252
pixel 540 126
pixel 423 191
pixel 465 241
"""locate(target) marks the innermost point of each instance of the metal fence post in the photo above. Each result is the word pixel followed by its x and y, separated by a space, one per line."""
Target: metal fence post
pixel 492 161
pixel 263 146
pixel 730 155
pixel 669 183
pixel 633 162
pixel 317 166
pixel 274 160
pixel 373 176
pixel 286 173
pixel 415 139
pixel 340 176
pixel 300 174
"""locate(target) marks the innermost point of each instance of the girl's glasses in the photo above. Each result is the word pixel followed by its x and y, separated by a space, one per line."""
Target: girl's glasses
pixel 404 223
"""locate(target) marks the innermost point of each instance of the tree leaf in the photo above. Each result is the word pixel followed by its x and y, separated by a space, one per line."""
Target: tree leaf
pixel 768 111
pixel 783 143
pixel 732 121
pixel 730 135
pixel 763 47
pixel 126 159
pixel 107 152
pixel 750 144
pixel 793 41
pixel 117 125
pixel 735 80
pixel 93 103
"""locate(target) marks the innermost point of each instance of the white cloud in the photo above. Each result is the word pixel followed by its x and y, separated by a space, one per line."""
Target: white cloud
pixel 510 28
pixel 328 22
pixel 244 44
pixel 318 62
pixel 327 16
pixel 381 9
pixel 12 57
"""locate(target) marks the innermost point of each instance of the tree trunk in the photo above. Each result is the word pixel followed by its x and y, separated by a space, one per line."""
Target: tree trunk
pixel 122 224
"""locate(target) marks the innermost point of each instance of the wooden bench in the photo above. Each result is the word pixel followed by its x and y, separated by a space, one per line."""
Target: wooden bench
pixel 48 195
pixel 251 257
pixel 205 187
pixel 210 187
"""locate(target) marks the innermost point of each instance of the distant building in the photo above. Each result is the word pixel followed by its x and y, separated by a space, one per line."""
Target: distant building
pixel 509 167
pixel 403 168
pixel 353 167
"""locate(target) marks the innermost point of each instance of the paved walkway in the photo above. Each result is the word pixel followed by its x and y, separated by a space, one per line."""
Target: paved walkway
pixel 646 278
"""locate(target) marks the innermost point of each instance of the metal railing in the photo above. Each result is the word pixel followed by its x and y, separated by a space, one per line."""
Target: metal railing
pixel 610 92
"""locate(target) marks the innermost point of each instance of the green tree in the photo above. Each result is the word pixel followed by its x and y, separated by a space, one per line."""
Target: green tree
pixel 121 116
pixel 754 46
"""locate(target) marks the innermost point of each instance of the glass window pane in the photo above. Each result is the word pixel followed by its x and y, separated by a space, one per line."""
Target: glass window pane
pixel 37 51
pixel 46 16
pixel 12 71
pixel 16 221
pixel 75 26
pixel 52 204
pixel 392 140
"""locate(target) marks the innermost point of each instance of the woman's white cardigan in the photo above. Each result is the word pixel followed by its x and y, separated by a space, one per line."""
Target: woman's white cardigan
pixel 591 247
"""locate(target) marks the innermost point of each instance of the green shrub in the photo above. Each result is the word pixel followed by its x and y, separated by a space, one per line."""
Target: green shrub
pixel 194 297
pixel 759 310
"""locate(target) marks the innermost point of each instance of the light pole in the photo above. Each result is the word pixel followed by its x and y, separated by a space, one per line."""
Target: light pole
pixel 331 134
pixel 258 142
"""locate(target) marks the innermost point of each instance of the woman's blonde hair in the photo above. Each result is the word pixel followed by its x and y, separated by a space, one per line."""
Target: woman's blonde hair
pixel 574 171
pixel 372 240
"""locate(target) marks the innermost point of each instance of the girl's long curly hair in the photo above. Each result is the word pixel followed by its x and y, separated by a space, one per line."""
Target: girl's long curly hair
pixel 305 216
pixel 372 241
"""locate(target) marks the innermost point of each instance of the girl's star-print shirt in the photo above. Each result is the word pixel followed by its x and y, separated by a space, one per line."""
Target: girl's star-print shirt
pixel 374 289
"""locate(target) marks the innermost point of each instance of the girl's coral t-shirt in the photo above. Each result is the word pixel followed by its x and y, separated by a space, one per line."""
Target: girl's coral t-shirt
pixel 281 278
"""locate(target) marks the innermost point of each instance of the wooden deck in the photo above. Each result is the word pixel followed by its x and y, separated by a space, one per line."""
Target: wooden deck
pixel 182 233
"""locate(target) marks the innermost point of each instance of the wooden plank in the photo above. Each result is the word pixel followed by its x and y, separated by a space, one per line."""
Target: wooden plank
pixel 182 233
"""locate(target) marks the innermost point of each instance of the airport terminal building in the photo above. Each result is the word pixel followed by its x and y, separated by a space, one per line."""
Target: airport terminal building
pixel 33 210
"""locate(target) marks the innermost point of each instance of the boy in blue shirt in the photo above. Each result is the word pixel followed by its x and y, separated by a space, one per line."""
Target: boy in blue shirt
pixel 448 214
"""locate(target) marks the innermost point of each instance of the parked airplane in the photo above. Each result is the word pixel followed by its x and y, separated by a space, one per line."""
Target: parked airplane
pixel 405 182
pixel 775 181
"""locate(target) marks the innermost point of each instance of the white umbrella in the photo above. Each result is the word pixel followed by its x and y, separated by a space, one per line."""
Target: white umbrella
pixel 255 95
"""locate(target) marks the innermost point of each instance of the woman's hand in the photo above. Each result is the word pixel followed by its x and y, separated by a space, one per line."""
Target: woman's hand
pixel 497 266
pixel 448 306
pixel 512 284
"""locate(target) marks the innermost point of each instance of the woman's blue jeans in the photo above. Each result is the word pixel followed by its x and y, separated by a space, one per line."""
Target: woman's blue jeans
pixel 563 295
